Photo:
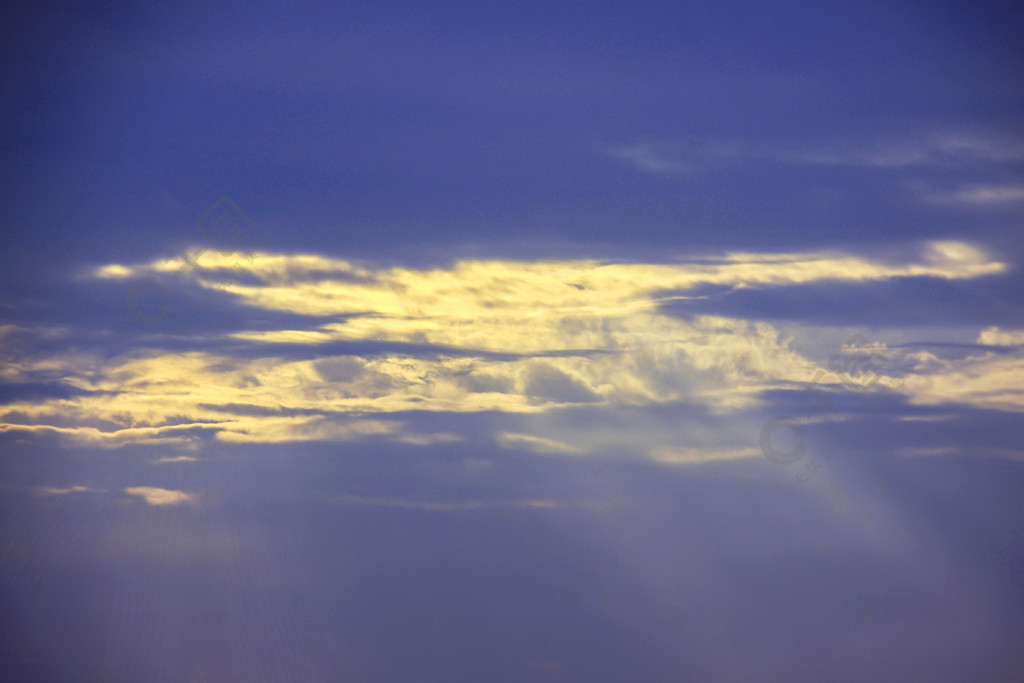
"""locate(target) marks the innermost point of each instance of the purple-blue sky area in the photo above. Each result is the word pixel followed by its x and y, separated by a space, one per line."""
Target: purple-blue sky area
pixel 525 341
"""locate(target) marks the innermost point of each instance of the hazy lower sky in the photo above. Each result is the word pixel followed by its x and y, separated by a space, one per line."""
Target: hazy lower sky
pixel 466 342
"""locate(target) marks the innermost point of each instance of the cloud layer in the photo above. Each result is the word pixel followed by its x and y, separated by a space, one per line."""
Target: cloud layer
pixel 505 337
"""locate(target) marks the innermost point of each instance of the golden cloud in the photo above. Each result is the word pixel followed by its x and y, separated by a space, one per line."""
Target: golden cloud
pixel 509 336
pixel 156 496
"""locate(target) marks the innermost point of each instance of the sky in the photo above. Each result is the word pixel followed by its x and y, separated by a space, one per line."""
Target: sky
pixel 443 342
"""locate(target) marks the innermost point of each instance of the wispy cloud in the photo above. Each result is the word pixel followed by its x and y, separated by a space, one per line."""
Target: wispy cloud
pixel 939 150
pixel 983 196
pixel 177 458
pixel 690 456
pixel 51 491
pixel 935 150
pixel 985 380
pixel 676 157
pixel 446 506
pixel 158 496
pixel 429 439
pixel 535 444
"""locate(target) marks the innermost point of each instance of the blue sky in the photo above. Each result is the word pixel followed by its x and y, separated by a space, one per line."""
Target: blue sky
pixel 512 342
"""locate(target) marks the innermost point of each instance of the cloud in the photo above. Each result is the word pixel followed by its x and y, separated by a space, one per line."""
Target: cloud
pixel 536 444
pixel 378 302
pixel 674 158
pixel 689 456
pixel 446 506
pixel 83 434
pixel 157 496
pixel 924 150
pixel 429 439
pixel 994 336
pixel 178 458
pixel 984 196
pixel 650 157
pixel 51 491
pixel 987 380
pixel 291 429
pixel 937 150
pixel 523 338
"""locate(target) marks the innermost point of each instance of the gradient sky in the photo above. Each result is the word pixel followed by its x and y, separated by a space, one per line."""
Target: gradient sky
pixel 434 342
